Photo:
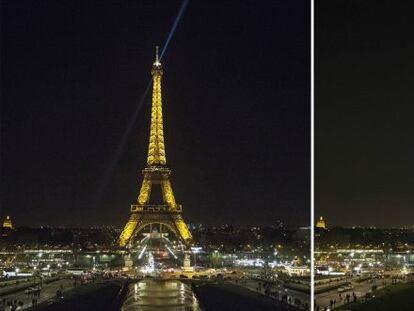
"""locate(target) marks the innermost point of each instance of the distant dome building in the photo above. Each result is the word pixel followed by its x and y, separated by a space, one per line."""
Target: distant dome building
pixel 7 223
pixel 321 223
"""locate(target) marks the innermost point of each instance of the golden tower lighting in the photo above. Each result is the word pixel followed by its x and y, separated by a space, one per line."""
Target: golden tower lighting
pixel 168 214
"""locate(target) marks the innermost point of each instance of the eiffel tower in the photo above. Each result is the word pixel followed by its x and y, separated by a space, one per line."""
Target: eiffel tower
pixel 168 214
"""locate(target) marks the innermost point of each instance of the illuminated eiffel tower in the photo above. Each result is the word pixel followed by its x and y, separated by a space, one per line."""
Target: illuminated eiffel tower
pixel 168 214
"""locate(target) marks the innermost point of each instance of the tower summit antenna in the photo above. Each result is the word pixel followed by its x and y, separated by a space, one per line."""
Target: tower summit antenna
pixel 157 59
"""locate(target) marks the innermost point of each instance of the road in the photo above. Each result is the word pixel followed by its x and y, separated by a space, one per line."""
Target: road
pixel 360 289
pixel 253 285
pixel 47 292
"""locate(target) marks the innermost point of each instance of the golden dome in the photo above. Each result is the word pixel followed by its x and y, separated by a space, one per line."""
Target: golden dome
pixel 321 223
pixel 7 223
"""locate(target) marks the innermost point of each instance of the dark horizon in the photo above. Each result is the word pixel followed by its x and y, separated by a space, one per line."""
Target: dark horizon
pixel 236 93
pixel 356 226
pixel 363 113
pixel 217 226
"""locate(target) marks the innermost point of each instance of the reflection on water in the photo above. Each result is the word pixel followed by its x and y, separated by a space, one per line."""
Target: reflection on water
pixel 171 295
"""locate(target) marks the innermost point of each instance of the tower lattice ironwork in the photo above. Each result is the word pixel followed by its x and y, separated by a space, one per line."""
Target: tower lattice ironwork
pixel 169 213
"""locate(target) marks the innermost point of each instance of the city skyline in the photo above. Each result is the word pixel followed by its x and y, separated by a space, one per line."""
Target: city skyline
pixel 206 156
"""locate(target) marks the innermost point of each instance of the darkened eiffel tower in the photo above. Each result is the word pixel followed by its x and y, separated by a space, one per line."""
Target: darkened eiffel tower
pixel 168 214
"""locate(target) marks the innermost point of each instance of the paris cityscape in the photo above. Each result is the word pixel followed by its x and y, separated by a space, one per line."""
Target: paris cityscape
pixel 363 215
pixel 208 156
pixel 143 184
pixel 157 251
pixel 86 257
pixel 353 265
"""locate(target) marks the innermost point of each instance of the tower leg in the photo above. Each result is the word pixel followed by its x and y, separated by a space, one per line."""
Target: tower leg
pixel 167 193
pixel 128 230
pixel 145 191
pixel 182 228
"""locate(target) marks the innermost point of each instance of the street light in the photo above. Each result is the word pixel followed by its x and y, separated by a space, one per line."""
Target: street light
pixel 195 251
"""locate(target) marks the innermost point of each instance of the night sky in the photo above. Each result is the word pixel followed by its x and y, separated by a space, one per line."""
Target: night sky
pixel 236 93
pixel 364 129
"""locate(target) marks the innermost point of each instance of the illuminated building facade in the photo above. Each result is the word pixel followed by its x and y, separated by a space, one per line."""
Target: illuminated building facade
pixel 168 214
pixel 321 223
pixel 7 223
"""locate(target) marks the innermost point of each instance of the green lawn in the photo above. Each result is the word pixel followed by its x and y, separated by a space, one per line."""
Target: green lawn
pixel 394 297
